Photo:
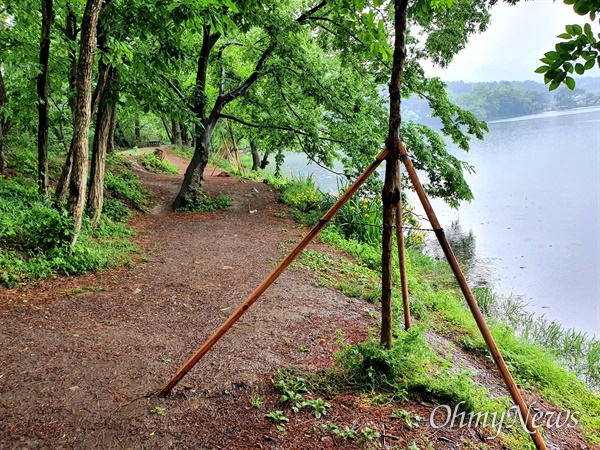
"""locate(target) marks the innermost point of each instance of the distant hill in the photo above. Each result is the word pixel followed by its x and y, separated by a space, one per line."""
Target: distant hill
pixel 504 99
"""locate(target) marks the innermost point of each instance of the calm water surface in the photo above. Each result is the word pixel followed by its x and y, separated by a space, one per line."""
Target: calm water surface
pixel 534 225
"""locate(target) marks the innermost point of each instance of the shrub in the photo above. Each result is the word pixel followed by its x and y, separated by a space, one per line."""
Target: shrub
pixel 201 202
pixel 116 210
pixel 153 164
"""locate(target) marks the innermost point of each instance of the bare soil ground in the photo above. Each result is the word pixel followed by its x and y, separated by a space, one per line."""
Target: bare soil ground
pixel 79 356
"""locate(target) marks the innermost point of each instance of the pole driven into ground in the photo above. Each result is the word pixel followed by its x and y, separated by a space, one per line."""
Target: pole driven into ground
pixel 217 335
pixel 402 255
pixel 464 287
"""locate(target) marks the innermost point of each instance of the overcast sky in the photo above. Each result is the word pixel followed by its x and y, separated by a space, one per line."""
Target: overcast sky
pixel 516 39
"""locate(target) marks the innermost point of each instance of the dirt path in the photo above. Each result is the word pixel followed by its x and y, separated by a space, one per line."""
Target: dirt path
pixel 78 355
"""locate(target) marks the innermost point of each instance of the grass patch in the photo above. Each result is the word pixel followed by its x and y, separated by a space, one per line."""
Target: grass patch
pixel 35 234
pixel 199 201
pixel 155 165
pixel 122 184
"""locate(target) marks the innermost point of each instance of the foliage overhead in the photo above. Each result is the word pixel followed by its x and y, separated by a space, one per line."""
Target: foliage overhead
pixel 579 52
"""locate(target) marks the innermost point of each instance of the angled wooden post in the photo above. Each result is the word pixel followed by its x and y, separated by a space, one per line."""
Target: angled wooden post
pixel 289 258
pixel 221 156
pixel 238 160
pixel 402 255
pixel 464 287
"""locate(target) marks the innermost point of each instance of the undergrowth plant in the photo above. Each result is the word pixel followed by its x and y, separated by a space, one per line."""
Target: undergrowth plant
pixel 202 202
pixel 122 184
pixel 155 165
pixel 35 234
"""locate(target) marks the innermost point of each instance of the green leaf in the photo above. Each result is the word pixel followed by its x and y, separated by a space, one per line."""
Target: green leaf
pixel 542 69
pixel 568 67
pixel 570 82
pixel 582 8
pixel 554 86
pixel 570 29
pixel 564 36
pixel 552 55
pixel 546 60
pixel 587 28
pixel 589 64
pixel 579 68
pixel 577 28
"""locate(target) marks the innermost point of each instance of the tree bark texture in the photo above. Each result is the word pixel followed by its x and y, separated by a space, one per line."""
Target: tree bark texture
pixel 110 144
pixel 137 131
pixel 255 155
pixel 79 143
pixel 4 124
pixel 105 101
pixel 391 192
pixel 265 161
pixel 71 33
pixel 185 137
pixel 176 133
pixel 42 93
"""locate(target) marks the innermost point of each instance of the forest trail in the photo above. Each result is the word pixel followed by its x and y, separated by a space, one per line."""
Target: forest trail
pixel 78 353
pixel 79 356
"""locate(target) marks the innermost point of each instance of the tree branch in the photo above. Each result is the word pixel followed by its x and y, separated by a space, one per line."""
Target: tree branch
pixel 306 15
pixel 179 94
pixel 242 88
pixel 278 127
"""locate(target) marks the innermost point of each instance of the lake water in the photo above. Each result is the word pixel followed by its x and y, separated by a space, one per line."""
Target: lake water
pixel 534 225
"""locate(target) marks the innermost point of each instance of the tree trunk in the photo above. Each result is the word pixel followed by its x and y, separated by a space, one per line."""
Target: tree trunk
pixel 391 192
pixel 105 102
pixel 255 155
pixel 99 150
pixel 71 33
pixel 79 143
pixel 176 133
pixel 43 105
pixel 185 137
pixel 168 129
pixel 265 161
pixel 137 133
pixel 120 138
pixel 192 180
pixel 110 144
pixel 4 124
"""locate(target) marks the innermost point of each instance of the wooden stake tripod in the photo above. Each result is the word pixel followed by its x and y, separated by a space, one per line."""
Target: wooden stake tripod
pixel 460 278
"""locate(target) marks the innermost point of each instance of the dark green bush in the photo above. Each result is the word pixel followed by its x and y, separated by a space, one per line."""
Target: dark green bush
pixel 116 210
pixel 198 201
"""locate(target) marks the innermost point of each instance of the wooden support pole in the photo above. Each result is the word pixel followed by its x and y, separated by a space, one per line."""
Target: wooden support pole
pixel 238 160
pixel 220 158
pixel 402 255
pixel 214 158
pixel 289 258
pixel 477 315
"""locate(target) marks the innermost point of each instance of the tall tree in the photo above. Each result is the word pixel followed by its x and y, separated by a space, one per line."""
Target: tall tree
pixel 391 191
pixel 4 123
pixel 106 94
pixel 42 92
pixel 83 110
pixel 70 31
